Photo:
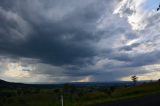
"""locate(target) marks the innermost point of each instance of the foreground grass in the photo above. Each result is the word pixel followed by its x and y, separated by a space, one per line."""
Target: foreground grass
pixel 79 97
pixel 130 92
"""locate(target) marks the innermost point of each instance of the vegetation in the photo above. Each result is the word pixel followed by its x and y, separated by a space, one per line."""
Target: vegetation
pixel 73 96
pixel 134 79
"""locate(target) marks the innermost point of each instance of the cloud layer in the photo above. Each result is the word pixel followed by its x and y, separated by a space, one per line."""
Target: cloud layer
pixel 61 41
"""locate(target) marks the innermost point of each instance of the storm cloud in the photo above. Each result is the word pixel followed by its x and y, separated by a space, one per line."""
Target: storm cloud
pixel 76 40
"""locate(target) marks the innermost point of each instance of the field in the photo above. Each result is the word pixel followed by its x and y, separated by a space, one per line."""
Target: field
pixel 73 95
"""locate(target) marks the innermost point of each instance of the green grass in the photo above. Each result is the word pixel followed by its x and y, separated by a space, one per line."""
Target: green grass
pixel 131 92
pixel 80 97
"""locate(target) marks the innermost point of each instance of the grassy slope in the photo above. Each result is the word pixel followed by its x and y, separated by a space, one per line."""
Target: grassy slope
pixel 49 98
pixel 131 92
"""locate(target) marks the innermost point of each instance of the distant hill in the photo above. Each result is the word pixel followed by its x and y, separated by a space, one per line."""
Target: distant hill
pixel 5 84
pixel 10 85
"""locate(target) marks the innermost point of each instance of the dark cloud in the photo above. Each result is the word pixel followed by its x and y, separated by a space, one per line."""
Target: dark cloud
pixel 129 47
pixel 70 40
pixel 146 59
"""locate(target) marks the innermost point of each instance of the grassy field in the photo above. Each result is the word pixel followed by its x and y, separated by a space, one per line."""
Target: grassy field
pixel 73 96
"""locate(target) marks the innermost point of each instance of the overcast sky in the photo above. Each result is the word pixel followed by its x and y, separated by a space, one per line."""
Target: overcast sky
pixel 55 41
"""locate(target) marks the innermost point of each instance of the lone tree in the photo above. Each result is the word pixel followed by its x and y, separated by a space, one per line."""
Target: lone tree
pixel 134 79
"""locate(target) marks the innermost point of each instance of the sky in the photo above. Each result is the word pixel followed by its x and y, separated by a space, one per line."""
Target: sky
pixel 58 41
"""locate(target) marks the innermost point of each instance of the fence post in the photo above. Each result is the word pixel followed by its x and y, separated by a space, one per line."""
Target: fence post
pixel 62 100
